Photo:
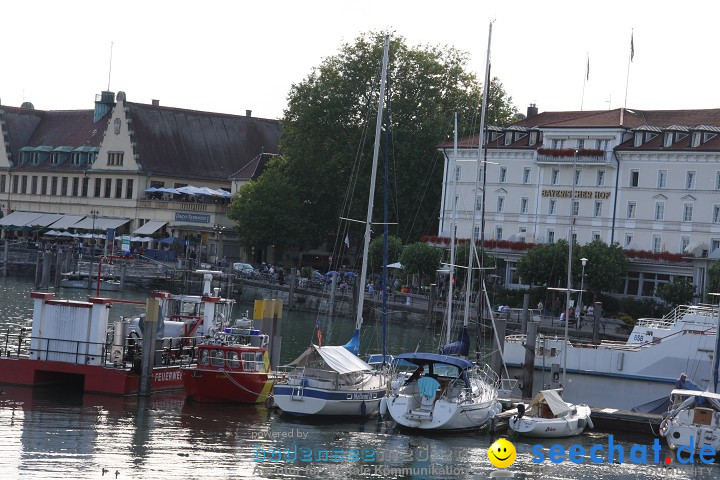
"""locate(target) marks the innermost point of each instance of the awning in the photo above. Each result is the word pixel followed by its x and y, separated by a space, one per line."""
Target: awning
pixel 19 219
pixel 337 358
pixel 554 401
pixel 150 227
pixel 99 223
pixel 66 221
pixel 45 220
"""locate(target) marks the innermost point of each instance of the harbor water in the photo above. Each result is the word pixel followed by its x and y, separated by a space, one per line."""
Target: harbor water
pixel 53 433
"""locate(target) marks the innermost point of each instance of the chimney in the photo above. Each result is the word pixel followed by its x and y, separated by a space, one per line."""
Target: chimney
pixel 532 110
pixel 155 103
pixel 248 113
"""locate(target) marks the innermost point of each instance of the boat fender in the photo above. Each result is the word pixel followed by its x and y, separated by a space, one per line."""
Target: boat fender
pixel 581 422
pixel 383 406
pixel 590 422
pixel 363 409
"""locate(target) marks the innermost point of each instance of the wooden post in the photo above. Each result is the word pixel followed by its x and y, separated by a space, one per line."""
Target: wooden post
pixel 123 273
pixel 7 256
pixel 500 326
pixel 291 291
pixel 38 269
pixel 525 312
pixel 58 267
pixel 148 345
pixel 46 270
pixel 597 315
pixel 529 364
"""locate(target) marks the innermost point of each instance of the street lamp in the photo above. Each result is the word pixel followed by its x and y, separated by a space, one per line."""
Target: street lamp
pixel 94 214
pixel 582 285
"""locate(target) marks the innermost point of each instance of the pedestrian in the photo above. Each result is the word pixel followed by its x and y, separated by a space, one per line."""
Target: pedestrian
pixel 680 383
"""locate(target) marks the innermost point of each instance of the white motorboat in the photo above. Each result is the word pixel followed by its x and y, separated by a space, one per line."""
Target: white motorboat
pixel 632 375
pixel 694 422
pixel 549 416
pixel 453 394
pixel 330 381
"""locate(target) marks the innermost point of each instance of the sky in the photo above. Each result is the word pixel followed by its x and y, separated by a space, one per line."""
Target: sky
pixel 233 56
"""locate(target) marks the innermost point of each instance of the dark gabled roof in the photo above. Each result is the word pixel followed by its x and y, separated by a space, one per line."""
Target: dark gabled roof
pixel 202 145
pixel 20 125
pixel 254 168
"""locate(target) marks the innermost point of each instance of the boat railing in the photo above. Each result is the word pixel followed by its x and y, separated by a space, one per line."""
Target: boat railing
pixel 679 313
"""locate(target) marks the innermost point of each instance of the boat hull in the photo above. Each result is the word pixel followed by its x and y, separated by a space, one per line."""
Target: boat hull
pixel 214 386
pixel 444 415
pixel 89 378
pixel 316 401
pixel 567 426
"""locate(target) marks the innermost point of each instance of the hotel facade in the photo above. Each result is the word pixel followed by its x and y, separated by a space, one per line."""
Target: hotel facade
pixel 648 180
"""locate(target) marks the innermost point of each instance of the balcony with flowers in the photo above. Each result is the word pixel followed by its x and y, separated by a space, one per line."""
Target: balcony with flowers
pixel 570 155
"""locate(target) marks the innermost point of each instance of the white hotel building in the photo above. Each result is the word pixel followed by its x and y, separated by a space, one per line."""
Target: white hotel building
pixel 648 180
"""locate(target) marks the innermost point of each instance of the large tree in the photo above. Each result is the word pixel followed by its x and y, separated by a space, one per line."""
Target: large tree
pixel 329 126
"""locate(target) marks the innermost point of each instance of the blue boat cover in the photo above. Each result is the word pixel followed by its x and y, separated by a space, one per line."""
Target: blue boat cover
pixel 420 358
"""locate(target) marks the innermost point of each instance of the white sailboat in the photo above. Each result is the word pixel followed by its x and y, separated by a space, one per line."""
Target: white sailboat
pixel 549 416
pixel 332 380
pixel 446 392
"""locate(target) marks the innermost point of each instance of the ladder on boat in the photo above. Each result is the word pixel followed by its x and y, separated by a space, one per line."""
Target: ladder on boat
pixel 298 391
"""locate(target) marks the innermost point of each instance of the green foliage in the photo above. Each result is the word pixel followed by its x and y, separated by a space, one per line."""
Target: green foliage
pixel 421 258
pixel 645 308
pixel 462 251
pixel 306 272
pixel 605 268
pixel 678 292
pixel 627 319
pixel 610 304
pixel 329 121
pixel 268 211
pixel 545 265
pixel 375 253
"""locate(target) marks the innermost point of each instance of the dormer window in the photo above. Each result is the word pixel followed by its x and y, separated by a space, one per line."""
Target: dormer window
pixel 695 139
pixel 707 136
pixel 508 138
pixel 638 139
pixel 668 139
pixel 533 138
pixel 54 158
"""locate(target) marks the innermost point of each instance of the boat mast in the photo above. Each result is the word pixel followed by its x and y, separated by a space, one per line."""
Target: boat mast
pixel 452 236
pixel 354 344
pixel 471 251
pixel 569 269
pixel 385 229
pixel 717 350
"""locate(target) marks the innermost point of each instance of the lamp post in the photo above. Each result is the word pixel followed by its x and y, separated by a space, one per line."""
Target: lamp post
pixel 582 289
pixel 218 229
pixel 94 214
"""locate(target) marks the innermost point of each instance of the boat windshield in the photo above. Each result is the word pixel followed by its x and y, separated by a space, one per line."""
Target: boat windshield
pixel 445 370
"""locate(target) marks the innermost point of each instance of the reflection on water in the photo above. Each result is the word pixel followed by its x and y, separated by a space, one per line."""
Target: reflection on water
pixel 51 433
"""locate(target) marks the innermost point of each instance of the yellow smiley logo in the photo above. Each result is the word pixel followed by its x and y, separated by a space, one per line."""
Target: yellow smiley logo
pixel 502 453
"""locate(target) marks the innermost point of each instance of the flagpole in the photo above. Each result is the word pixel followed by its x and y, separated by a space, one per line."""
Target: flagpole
pixel 630 58
pixel 585 79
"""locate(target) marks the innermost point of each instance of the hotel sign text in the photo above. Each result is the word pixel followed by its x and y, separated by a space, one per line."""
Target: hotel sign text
pixel 192 217
pixel 578 194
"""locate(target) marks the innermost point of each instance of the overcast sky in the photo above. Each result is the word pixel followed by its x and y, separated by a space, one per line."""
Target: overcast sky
pixel 229 56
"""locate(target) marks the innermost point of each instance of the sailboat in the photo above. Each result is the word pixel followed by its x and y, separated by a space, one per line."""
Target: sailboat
pixel 446 391
pixel 333 380
pixel 694 419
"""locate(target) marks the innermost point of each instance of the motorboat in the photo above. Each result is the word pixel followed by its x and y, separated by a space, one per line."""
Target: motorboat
pixel 330 381
pixel 451 393
pixel 644 368
pixel 693 422
pixel 549 416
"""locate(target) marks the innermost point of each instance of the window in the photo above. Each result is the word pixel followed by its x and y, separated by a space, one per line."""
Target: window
pixel 508 138
pixel 634 178
pixel 656 239
pixel 98 185
pixel 602 144
pixel 555 176
pixel 578 177
pixel 43 185
pixel 533 138
pixel 457 201
pixel 129 188
pixel 217 358
pixel 476 232
pixel 64 188
pixel 2 183
pixel 458 171
pixel 576 207
pixel 526 176
pixel 597 211
pixel 558 144
pixel 34 185
pixel 503 174
pixel 481 174
pixel 478 202
pixel 695 139
pixel 85 184
pixel 628 239
pixel 668 139
pixel 75 186
pixel 23 184
pixel 717 180
pixel 631 210
pixel 595 235
pixel 638 139
pixel 690 180
pixel 115 158
pixel 574 238
pixel 108 187
pixel 659 210
pixel 54 186
pixel 600 178
pixel 232 359
pixel 551 206
pixel 716 213
pixel 662 179
pixel 684 242
pixel 498 233
pixel 687 212
pixel 15 184
pixel 714 244
pixel 580 143
pixel 118 188
pixel 524 205
pixel 75 159
pixel 551 236
pixel 500 204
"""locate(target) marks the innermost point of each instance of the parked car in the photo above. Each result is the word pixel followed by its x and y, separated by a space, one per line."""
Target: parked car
pixel 244 269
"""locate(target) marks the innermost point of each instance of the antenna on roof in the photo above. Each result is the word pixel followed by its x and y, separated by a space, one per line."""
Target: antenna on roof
pixel 110 69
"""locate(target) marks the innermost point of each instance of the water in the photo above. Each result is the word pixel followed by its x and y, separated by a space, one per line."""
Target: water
pixel 68 435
